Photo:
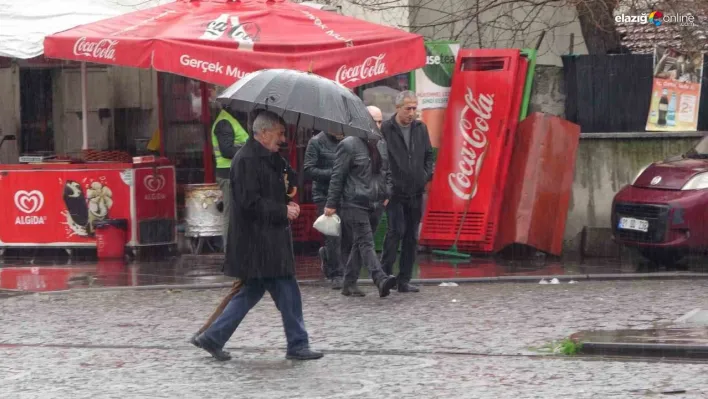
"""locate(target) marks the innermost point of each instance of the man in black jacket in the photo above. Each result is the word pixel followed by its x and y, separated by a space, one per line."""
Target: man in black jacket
pixel 260 248
pixel 319 160
pixel 411 161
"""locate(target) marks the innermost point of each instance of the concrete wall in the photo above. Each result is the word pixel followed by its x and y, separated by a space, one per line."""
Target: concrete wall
pixel 607 162
pixel 499 27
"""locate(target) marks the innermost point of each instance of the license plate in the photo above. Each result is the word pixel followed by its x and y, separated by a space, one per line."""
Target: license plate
pixel 634 224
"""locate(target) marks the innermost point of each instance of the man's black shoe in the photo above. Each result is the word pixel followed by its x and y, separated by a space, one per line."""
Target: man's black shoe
pixel 304 354
pixel 337 283
pixel 352 290
pixel 194 341
pixel 406 287
pixel 385 285
pixel 218 354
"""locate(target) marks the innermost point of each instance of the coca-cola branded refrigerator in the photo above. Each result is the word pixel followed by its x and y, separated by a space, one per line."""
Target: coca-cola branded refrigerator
pixel 473 158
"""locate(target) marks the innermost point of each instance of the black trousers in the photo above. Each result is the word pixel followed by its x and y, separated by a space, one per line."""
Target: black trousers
pixel 403 216
pixel 358 226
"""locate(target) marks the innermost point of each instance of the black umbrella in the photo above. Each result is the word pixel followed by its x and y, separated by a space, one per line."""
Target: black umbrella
pixel 302 99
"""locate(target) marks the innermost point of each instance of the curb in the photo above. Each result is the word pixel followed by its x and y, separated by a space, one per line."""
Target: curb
pixel 645 350
pixel 427 282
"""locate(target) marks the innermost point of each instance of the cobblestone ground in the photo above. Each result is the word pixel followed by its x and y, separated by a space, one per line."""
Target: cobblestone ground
pixel 471 341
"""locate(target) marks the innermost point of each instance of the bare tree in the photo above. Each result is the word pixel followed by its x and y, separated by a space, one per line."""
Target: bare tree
pixel 507 23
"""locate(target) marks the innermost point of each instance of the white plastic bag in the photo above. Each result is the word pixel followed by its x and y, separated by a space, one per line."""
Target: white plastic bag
pixel 328 225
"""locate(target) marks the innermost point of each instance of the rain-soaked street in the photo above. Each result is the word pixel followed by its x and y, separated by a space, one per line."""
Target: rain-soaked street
pixel 469 341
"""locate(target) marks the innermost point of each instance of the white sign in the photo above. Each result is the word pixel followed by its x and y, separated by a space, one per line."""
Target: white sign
pixel 154 184
pixel 29 201
pixel 238 32
pixel 371 67
pixel 474 146
pixel 216 67
pixel 102 50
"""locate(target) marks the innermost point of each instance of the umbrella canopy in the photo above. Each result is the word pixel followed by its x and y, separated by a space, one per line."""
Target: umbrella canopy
pixel 302 99
pixel 220 41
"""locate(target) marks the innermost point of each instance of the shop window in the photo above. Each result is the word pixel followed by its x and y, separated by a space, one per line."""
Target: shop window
pixel 37 133
pixel 183 135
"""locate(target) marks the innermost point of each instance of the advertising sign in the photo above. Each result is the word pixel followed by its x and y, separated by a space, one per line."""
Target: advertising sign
pixel 155 193
pixel 60 206
pixel 676 91
pixel 432 85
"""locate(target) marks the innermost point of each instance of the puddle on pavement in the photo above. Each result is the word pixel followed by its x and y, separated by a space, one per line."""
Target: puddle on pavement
pixel 53 273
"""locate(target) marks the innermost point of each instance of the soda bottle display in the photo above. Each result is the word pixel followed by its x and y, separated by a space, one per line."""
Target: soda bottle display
pixel 663 107
pixel 654 107
pixel 671 111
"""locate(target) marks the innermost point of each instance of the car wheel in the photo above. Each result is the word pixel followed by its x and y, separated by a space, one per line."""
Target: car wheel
pixel 668 258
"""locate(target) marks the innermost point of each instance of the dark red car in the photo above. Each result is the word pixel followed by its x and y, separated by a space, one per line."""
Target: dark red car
pixel 664 212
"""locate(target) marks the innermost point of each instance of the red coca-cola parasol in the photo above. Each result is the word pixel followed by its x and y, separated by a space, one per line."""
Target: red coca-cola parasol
pixel 219 41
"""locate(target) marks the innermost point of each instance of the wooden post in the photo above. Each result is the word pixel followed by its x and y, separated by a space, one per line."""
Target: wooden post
pixel 572 43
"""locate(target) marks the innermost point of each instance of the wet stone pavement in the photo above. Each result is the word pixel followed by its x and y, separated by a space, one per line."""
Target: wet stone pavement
pixel 469 341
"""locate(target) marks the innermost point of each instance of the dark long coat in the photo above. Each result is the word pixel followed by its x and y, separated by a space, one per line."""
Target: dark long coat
pixel 260 238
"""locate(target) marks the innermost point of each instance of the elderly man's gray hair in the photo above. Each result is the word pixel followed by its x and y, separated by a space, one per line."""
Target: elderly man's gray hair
pixel 266 120
pixel 405 95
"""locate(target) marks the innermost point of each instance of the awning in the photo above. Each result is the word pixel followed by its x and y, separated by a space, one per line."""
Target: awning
pixel 220 41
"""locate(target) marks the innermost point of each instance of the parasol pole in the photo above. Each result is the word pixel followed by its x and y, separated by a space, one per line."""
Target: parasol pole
pixel 84 107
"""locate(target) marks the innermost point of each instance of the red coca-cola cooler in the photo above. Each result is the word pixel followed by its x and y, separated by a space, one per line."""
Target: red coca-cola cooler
pixel 475 150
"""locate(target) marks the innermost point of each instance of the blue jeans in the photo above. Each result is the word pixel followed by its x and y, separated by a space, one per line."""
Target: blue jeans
pixel 286 295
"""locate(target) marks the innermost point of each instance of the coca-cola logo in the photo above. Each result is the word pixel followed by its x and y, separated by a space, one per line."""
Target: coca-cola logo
pixel 371 67
pixel 103 49
pixel 474 147
pixel 29 201
pixel 154 183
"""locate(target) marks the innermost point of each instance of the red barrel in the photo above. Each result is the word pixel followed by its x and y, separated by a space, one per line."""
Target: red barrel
pixel 111 238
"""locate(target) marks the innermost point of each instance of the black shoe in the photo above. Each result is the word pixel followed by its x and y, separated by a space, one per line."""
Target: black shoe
pixel 385 285
pixel 323 259
pixel 194 341
pixel 406 287
pixel 304 354
pixel 337 283
pixel 352 290
pixel 218 354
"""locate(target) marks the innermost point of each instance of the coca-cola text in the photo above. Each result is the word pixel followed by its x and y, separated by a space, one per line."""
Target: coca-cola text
pixel 464 183
pixel 371 67
pixel 104 49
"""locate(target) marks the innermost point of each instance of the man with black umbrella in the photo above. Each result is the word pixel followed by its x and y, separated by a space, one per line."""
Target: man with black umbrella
pixel 260 248
pixel 411 161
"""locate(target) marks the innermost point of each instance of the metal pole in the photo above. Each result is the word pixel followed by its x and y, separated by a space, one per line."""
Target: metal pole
pixel 84 107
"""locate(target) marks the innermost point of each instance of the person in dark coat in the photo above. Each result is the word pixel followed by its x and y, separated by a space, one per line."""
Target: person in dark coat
pixel 260 247
pixel 319 160
pixel 358 191
pixel 411 158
